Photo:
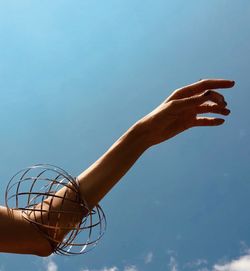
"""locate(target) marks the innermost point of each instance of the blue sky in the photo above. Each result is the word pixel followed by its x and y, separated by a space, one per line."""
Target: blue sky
pixel 74 75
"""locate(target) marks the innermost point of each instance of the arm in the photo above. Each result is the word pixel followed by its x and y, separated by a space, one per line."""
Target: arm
pixel 176 114
pixel 17 235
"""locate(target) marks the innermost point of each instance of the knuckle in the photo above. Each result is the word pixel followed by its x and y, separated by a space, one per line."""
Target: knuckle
pixel 172 103
pixel 204 83
pixel 208 92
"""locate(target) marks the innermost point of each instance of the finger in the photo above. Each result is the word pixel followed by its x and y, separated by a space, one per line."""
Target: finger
pixel 216 109
pixel 201 86
pixel 209 95
pixel 205 121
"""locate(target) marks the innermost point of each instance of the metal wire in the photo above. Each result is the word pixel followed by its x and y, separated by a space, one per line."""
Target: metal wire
pixel 34 190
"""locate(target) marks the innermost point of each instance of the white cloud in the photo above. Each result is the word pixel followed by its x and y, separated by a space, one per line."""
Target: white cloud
pixel 173 264
pixel 114 268
pixel 149 257
pixel 197 263
pixel 50 264
pixel 171 252
pixel 241 264
pixel 130 268
pixel 244 249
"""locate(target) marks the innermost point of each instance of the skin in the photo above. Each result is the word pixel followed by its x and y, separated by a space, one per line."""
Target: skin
pixel 179 112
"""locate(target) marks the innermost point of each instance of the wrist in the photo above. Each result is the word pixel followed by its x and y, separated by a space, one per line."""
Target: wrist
pixel 139 134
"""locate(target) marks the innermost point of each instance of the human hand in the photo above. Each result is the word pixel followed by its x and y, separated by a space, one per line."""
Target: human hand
pixel 180 110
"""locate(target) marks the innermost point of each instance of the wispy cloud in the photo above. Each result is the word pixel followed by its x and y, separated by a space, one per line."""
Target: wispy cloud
pixel 197 263
pixel 241 263
pixel 110 269
pixel 244 249
pixel 114 268
pixel 130 268
pixel 50 264
pixel 173 264
pixel 149 258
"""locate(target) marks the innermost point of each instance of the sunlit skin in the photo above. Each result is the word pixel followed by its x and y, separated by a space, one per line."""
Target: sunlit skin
pixel 179 112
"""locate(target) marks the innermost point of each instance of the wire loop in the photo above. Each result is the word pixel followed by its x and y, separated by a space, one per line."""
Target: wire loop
pixel 33 191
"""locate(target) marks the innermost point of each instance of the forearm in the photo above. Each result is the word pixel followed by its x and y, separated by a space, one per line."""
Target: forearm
pixel 96 181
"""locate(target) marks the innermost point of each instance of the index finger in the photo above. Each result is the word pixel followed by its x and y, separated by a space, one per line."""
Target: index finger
pixel 201 86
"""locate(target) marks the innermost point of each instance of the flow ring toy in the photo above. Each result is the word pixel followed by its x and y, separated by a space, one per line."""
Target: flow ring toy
pixel 28 190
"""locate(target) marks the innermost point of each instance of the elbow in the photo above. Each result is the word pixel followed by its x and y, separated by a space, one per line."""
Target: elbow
pixel 43 253
pixel 45 250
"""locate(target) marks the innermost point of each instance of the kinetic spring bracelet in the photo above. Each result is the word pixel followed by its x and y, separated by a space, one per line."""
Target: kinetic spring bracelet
pixel 33 191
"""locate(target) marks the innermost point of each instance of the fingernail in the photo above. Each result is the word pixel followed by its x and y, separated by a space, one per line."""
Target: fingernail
pixel 223 102
pixel 232 82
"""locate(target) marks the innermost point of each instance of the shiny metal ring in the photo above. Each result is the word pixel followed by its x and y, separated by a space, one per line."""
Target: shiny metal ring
pixel 29 190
